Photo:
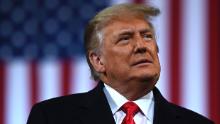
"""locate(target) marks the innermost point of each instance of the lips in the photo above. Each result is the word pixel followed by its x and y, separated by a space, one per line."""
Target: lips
pixel 142 61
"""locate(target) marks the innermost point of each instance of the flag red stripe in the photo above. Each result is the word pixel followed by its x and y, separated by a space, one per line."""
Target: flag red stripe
pixel 213 79
pixel 175 50
pixel 34 82
pixel 139 1
pixel 66 76
pixel 2 92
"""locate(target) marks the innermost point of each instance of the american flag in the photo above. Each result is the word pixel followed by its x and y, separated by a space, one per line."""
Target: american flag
pixel 41 52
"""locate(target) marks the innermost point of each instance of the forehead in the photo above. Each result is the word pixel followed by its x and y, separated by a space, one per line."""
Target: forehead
pixel 123 25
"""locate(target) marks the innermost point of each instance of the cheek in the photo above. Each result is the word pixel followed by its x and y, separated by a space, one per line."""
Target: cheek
pixel 153 46
pixel 153 49
pixel 117 58
pixel 122 52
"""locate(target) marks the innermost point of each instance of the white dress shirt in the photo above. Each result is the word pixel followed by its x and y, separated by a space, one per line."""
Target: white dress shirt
pixel 145 103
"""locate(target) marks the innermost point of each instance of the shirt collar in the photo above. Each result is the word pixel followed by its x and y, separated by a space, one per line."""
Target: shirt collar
pixel 116 100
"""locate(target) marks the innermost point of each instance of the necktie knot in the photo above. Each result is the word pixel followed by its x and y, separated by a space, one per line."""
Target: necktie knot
pixel 130 108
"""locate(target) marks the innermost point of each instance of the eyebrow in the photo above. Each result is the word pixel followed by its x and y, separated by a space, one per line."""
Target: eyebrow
pixel 146 31
pixel 130 32
pixel 127 32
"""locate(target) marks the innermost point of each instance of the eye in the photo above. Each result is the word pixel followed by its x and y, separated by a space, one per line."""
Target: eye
pixel 148 37
pixel 124 38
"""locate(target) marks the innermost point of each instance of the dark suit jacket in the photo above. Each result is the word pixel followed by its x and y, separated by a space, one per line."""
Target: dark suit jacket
pixel 92 108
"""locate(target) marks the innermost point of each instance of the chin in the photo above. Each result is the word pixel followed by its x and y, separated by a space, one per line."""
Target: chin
pixel 146 77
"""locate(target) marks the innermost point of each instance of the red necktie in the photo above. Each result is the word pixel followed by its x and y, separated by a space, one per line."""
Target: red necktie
pixel 130 108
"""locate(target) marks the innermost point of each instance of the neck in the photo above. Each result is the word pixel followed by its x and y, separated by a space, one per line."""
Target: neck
pixel 132 90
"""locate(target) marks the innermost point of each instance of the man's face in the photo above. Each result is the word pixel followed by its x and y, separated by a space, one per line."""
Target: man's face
pixel 129 51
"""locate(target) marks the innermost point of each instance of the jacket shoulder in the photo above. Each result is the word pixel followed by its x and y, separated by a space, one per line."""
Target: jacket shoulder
pixel 190 116
pixel 56 110
pixel 63 100
pixel 167 112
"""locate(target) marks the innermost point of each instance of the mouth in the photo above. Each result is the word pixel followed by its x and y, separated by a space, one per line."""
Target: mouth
pixel 142 62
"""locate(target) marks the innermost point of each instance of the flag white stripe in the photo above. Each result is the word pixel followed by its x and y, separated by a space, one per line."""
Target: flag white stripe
pixel 72 77
pixel 17 85
pixel 49 79
pixel 194 92
pixel 161 24
pixel 82 82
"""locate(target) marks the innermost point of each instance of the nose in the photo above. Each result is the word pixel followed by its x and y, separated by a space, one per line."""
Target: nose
pixel 140 45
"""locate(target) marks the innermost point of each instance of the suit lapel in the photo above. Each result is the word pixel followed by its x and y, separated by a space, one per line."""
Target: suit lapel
pixel 164 113
pixel 95 109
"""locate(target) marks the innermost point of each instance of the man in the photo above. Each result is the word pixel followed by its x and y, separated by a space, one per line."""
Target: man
pixel 122 53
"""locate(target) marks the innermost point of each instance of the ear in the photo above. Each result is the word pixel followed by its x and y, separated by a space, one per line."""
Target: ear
pixel 96 62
